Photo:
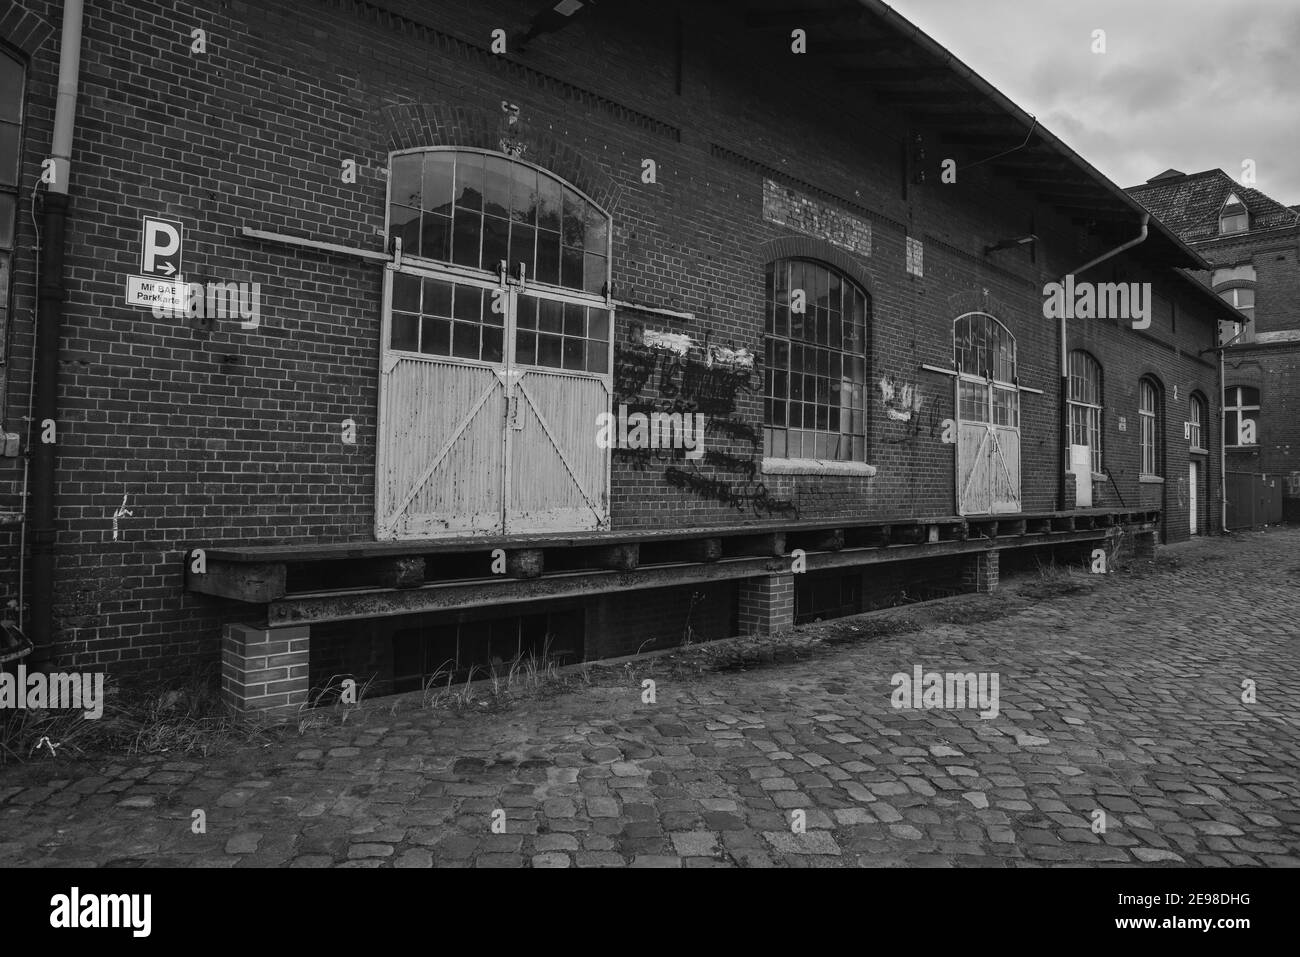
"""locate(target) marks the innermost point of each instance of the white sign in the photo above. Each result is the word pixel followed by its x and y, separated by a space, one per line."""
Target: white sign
pixel 160 251
pixel 165 294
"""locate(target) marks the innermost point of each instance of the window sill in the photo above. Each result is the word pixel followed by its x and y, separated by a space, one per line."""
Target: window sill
pixel 816 467
pixel 1150 480
pixel 1196 450
pixel 1099 477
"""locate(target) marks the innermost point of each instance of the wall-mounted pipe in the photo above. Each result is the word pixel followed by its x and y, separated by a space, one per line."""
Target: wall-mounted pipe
pixel 51 295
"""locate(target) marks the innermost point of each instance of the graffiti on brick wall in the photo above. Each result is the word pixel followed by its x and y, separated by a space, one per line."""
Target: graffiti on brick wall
pixel 902 400
pixel 708 386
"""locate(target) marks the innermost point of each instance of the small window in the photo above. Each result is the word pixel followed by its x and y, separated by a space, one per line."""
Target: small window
pixel 1151 430
pixel 1196 424
pixel 815 379
pixel 1240 416
pixel 1085 404
pixel 1233 218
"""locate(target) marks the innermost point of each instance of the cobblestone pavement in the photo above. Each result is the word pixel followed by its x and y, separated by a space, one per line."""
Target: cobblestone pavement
pixel 1124 698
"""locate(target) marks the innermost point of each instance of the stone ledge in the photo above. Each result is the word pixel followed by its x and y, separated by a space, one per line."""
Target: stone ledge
pixel 816 467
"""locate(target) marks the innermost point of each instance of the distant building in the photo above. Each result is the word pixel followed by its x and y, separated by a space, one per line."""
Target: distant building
pixel 1253 244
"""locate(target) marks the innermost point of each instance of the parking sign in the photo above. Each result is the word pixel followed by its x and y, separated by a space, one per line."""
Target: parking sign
pixel 160 249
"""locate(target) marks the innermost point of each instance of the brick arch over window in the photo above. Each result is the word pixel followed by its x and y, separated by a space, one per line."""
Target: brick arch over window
pixel 413 125
pixel 805 247
pixel 23 28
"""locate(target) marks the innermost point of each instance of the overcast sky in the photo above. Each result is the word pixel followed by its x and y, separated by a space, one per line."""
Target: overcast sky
pixel 1188 84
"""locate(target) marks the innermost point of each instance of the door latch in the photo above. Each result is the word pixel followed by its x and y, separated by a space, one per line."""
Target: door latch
pixel 513 419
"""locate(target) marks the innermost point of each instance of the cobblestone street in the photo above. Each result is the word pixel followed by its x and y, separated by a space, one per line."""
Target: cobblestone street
pixel 1120 703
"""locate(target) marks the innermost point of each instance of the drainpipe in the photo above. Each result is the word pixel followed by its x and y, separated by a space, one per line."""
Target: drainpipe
pixel 1065 360
pixel 52 293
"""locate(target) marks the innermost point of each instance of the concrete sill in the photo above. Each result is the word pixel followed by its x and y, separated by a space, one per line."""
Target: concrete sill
pixel 1195 451
pixel 1151 480
pixel 817 467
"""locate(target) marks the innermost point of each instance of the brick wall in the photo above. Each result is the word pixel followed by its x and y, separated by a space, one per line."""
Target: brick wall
pixel 233 435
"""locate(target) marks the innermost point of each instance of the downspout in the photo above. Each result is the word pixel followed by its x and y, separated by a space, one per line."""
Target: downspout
pixel 52 293
pixel 1064 419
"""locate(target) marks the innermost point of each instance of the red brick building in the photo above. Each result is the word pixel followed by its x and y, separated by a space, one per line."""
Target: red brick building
pixel 476 229
pixel 1252 244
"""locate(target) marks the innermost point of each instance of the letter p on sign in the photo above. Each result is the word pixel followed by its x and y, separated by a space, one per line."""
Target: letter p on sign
pixel 160 253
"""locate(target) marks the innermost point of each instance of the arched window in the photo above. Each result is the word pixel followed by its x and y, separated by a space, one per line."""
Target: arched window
pixel 1085 404
pixel 460 214
pixel 1196 423
pixel 985 354
pixel 475 209
pixel 1240 416
pixel 816 371
pixel 1151 423
pixel 12 77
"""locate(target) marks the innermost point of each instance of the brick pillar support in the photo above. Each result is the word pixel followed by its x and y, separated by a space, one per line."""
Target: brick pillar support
pixel 979 572
pixel 766 604
pixel 264 670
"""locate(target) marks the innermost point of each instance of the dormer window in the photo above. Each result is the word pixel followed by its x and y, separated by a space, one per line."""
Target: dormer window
pixel 1233 218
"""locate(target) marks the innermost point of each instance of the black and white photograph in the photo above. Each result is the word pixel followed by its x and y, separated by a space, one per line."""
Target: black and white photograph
pixel 671 434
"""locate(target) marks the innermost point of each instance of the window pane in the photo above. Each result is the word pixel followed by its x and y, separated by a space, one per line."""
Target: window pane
pixel 574 228
pixel 496 243
pixel 439 167
pixel 526 313
pixel 6 227
pixel 548 257
pixel 11 88
pixel 523 241
pixel 406 180
pixel 465 340
pixel 404 222
pixel 465 238
pixel 469 180
pixel 435 336
pixel 437 298
pixel 523 194
pixel 405 332
pixel 526 347
pixel 571 267
pixel 469 303
pixel 406 293
pixel 496 186
pixel 550 204
pixel 598 325
pixel 575 319
pixel 594 274
pixel 597 238
pixel 551 315
pixel 435 242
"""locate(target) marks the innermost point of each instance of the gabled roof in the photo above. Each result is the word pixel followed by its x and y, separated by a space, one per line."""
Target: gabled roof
pixel 1190 203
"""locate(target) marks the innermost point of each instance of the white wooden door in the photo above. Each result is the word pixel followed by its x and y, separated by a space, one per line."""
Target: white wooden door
pixel 988 417
pixel 557 476
pixel 1193 514
pixel 489 401
pixel 988 448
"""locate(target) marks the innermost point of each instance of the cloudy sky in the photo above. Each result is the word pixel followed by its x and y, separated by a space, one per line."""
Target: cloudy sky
pixel 1188 84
